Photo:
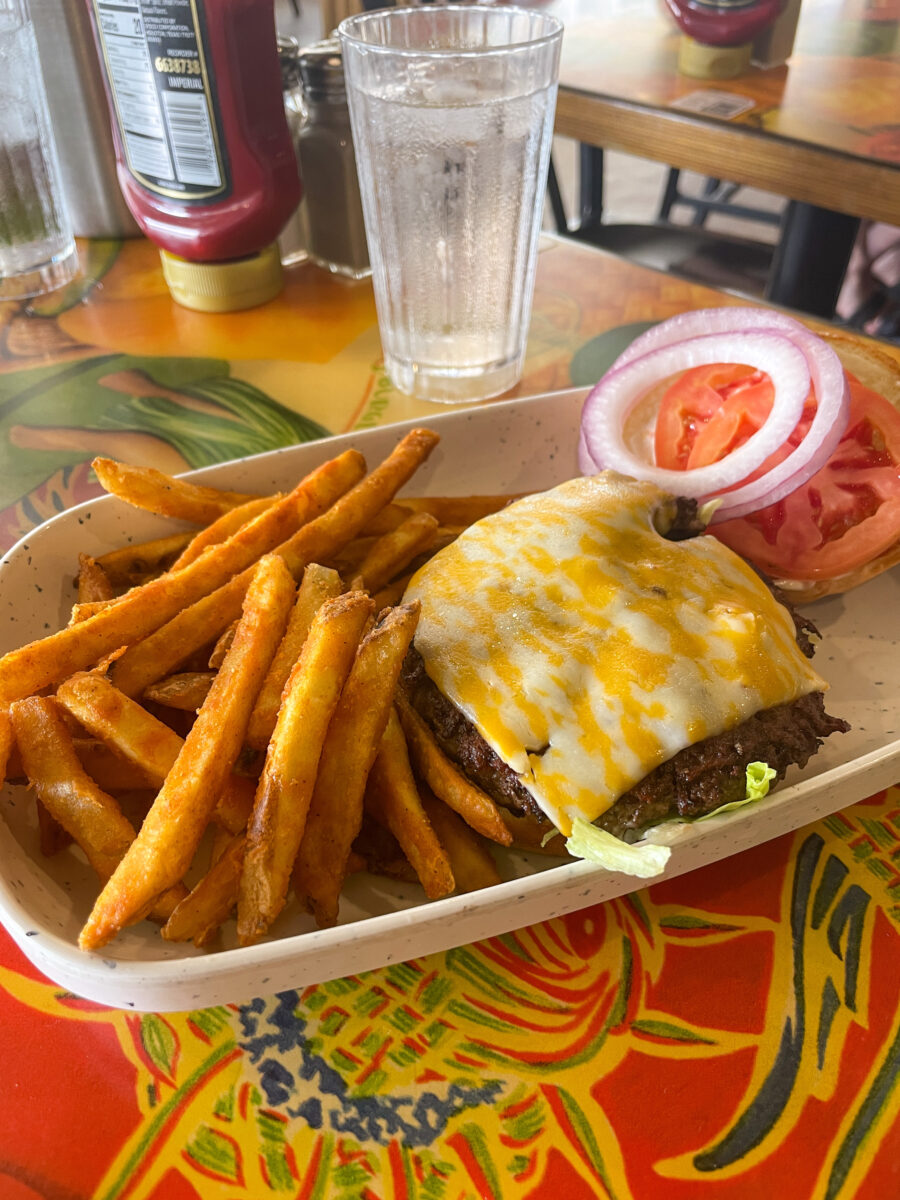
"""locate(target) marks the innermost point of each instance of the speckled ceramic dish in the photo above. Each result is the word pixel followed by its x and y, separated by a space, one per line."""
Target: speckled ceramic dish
pixel 514 446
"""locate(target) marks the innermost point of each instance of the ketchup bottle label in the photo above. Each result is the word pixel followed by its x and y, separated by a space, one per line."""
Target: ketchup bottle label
pixel 164 95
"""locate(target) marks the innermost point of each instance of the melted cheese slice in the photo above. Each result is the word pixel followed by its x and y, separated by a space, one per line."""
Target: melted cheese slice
pixel 587 649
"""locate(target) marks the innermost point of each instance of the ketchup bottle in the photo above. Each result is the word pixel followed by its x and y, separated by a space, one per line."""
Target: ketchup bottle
pixel 204 155
pixel 727 26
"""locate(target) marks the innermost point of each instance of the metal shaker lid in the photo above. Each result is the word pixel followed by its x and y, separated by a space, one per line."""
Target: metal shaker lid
pixel 322 69
pixel 289 61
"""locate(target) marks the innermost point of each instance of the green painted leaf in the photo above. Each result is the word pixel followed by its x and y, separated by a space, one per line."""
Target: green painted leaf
pixel 215 1153
pixel 159 1041
pixel 684 921
pixel 670 1031
pixel 598 355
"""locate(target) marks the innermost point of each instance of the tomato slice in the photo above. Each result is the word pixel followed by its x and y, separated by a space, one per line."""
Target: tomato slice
pixel 844 516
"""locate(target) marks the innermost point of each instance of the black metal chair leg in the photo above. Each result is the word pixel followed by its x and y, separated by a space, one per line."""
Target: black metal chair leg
pixel 555 197
pixel 811 258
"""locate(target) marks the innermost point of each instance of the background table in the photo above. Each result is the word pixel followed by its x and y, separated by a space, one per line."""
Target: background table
pixel 823 130
pixel 733 1033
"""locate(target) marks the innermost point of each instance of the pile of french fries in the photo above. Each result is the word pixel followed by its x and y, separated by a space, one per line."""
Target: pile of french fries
pixel 203 718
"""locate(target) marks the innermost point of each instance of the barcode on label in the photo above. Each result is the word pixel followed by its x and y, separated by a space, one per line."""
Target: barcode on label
pixel 191 138
pixel 711 103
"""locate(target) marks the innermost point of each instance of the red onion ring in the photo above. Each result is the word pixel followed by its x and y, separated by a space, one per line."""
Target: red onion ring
pixel 827 376
pixel 608 405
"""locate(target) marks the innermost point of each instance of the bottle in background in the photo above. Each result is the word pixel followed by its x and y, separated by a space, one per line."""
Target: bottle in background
pixel 294 239
pixel 204 154
pixel 337 232
pixel 37 249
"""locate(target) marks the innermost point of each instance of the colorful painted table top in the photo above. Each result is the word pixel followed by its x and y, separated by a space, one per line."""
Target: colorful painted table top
pixel 730 1034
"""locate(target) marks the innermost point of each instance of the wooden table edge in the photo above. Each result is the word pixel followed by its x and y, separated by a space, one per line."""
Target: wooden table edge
pixel 828 178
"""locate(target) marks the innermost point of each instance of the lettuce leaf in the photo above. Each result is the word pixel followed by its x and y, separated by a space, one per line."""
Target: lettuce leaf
pixel 759 776
pixel 597 846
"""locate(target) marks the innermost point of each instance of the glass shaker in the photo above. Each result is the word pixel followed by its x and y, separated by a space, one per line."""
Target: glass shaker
pixel 37 249
pixel 292 245
pixel 337 235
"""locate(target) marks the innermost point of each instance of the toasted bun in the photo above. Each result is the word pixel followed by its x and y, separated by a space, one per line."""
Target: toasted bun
pixel 876 367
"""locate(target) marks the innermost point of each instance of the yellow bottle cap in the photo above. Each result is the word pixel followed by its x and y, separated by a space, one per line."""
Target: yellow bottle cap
pixel 712 62
pixel 223 286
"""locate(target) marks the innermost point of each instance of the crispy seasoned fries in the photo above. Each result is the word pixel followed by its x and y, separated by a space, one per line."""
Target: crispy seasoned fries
pixel 93 581
pixel 169 647
pixel 354 735
pixel 146 608
pixel 301 754
pixel 393 799
pixel 470 859
pixel 221 648
pixel 199 915
pixel 222 529
pixel 134 563
pixel 458 510
pixel 6 743
pixel 395 550
pixel 286 786
pixel 87 814
pixel 163 849
pixel 446 780
pixel 321 539
pixel 318 585
pixel 141 743
pixel 185 692
pixel 147 488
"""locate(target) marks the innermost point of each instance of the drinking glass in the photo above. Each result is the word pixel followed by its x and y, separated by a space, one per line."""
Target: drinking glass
pixel 452 114
pixel 37 250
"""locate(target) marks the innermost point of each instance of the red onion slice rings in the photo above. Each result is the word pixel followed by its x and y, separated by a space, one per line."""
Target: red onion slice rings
pixel 825 372
pixel 608 405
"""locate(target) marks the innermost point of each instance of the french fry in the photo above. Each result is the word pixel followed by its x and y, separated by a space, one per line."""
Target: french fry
pixel 185 692
pixel 7 741
pixel 380 851
pixel 458 510
pixel 128 565
pixel 199 915
pixel 393 799
pixel 395 550
pixel 93 581
pixel 321 539
pixel 169 647
pixel 51 836
pixel 166 495
pixel 90 816
pixel 354 735
pixel 141 742
pixel 392 594
pixel 146 608
pixel 446 780
pixel 470 858
pixel 388 518
pixel 223 528
pixel 286 786
pixel 318 585
pixel 168 838
pixel 222 646
pixel 163 651
pixel 83 609
pixel 108 769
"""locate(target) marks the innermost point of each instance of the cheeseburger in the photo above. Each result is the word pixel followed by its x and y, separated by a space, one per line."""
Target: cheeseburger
pixel 588 655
